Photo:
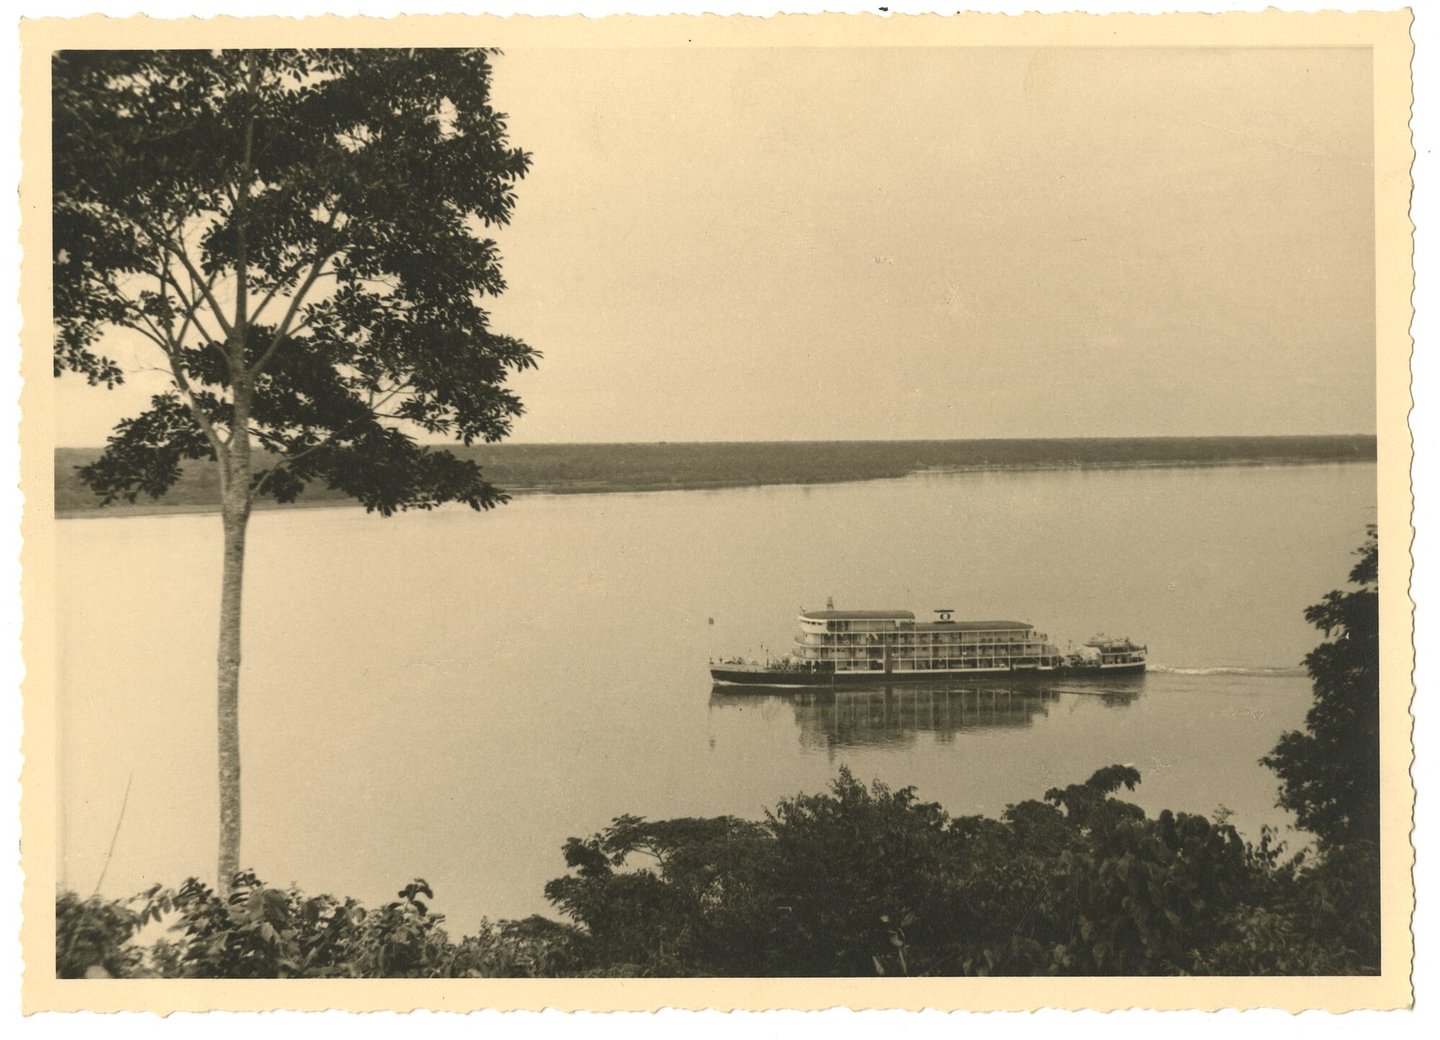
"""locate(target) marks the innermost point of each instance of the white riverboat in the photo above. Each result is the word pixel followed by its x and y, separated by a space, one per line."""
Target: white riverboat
pixel 865 647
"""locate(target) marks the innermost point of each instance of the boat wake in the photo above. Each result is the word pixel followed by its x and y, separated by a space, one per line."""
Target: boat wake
pixel 1263 673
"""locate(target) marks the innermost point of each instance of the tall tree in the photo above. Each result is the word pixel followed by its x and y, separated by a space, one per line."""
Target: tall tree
pixel 1330 773
pixel 301 235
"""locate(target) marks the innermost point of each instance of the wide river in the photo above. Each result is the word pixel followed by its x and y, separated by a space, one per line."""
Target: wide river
pixel 451 695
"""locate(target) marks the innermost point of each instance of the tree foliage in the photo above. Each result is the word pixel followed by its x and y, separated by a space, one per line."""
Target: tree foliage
pixel 300 236
pixel 863 880
pixel 1330 773
pixel 93 938
pixel 258 931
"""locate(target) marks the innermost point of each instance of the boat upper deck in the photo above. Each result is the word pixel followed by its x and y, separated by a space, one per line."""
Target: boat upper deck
pixel 857 615
pixel 898 620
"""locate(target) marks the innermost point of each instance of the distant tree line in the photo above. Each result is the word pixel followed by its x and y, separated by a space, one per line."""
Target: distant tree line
pixel 638 467
pixel 866 880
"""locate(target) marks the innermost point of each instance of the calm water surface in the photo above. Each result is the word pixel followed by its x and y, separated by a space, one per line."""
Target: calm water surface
pixel 452 695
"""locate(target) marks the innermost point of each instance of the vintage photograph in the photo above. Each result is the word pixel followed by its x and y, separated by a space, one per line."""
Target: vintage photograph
pixel 554 504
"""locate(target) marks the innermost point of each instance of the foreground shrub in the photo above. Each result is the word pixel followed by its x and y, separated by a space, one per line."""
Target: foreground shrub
pixel 864 880
pixel 93 938
pixel 264 932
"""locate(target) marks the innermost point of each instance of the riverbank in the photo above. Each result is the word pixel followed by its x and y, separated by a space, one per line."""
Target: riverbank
pixel 605 468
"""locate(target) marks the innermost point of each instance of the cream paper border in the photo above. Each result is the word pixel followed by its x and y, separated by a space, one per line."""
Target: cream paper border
pixel 1387 33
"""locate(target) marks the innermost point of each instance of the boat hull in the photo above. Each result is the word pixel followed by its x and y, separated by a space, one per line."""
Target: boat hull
pixel 785 678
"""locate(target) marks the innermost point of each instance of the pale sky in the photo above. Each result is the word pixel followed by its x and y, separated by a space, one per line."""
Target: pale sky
pixel 776 244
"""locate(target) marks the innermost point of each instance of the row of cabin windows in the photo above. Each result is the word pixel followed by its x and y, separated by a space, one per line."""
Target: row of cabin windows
pixel 923 639
pixel 940 663
pixel 966 653
pixel 886 625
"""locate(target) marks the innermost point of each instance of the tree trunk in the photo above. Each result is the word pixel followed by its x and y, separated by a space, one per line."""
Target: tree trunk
pixel 235 517
pixel 235 497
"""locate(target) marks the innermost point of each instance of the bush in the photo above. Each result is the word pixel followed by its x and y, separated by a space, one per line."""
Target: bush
pixel 264 932
pixel 93 938
pixel 868 880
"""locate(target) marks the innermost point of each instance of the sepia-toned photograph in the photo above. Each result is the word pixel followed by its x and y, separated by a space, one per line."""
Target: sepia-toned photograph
pixel 677 502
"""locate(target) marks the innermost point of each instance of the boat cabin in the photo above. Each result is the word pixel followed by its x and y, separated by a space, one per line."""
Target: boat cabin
pixel 893 640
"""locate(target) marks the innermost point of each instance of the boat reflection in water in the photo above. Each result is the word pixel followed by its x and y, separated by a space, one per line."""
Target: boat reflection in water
pixel 895 716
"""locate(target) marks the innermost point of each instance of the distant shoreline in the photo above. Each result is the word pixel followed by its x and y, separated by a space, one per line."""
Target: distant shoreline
pixel 644 468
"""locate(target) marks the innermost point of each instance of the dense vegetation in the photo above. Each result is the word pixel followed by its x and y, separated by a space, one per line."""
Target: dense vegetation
pixel 865 880
pixel 641 467
pixel 1330 776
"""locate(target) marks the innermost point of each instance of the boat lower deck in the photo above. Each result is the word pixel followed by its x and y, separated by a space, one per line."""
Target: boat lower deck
pixel 799 678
